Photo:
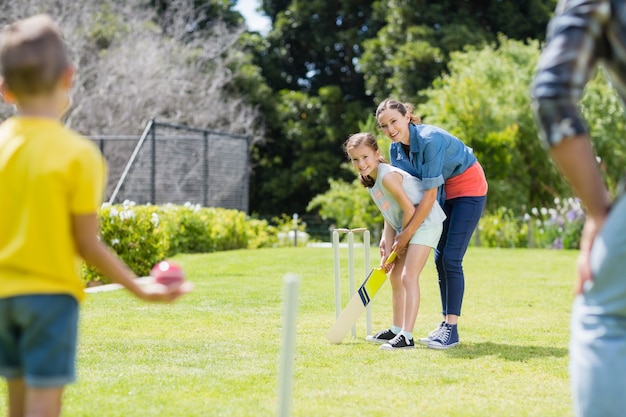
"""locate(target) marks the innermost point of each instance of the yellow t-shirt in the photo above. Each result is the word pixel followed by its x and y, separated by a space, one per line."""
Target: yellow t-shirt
pixel 47 173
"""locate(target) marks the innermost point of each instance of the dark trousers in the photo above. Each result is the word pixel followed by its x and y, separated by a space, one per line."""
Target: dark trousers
pixel 462 214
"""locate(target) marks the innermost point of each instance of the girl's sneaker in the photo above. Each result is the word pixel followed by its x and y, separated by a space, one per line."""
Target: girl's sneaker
pixel 382 336
pixel 399 342
pixel 432 335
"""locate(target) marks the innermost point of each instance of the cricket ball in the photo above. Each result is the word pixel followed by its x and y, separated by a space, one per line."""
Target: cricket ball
pixel 167 273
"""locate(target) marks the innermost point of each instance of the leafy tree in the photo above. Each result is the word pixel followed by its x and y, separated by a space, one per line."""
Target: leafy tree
pixel 317 43
pixel 355 51
pixel 485 101
pixel 414 46
pixel 348 205
pixel 604 113
pixel 130 69
pixel 308 60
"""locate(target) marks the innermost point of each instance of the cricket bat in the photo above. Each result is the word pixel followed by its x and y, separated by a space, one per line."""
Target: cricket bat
pixel 357 304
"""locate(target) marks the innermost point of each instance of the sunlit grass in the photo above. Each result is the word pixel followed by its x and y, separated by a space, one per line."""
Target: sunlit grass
pixel 215 352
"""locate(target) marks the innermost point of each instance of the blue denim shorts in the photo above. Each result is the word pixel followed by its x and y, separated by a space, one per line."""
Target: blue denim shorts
pixel 38 335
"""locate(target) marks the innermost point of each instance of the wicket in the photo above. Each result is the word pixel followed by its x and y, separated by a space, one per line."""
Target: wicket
pixel 366 269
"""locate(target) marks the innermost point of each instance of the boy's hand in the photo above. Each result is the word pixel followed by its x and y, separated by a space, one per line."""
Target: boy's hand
pixel 163 293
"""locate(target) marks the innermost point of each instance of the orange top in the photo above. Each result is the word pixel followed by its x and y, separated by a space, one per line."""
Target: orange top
pixel 471 183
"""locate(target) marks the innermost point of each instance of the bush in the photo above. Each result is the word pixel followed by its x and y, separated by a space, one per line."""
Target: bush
pixel 502 229
pixel 558 227
pixel 136 233
pixel 145 235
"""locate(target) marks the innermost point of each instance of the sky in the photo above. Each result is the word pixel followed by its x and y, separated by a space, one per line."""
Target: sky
pixel 254 20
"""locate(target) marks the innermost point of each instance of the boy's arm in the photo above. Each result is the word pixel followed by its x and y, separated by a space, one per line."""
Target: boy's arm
pixel 420 212
pixel 95 253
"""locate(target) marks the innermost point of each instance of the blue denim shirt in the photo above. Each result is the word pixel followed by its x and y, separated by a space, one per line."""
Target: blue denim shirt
pixel 435 155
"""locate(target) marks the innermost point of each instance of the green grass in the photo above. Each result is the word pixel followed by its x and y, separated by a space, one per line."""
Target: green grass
pixel 215 352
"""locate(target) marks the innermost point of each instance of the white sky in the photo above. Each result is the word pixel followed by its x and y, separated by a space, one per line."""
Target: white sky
pixel 254 20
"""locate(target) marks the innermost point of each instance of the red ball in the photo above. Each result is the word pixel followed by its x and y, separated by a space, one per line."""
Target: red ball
pixel 167 273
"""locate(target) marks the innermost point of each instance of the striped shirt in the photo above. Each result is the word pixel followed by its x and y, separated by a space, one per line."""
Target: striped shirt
pixel 581 34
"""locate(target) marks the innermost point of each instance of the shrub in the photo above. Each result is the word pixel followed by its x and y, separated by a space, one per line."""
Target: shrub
pixel 144 235
pixel 136 233
pixel 502 229
pixel 559 227
pixel 285 233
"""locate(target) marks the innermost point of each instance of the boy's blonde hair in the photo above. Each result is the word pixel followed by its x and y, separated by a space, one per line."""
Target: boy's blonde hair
pixel 33 56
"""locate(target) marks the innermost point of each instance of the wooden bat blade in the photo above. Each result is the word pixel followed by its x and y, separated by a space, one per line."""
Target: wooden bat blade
pixel 357 305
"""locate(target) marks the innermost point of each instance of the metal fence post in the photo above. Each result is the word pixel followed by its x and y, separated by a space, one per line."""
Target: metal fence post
pixel 153 166
pixel 205 187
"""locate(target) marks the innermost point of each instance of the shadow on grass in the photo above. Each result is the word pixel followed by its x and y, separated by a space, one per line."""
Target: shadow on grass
pixel 518 353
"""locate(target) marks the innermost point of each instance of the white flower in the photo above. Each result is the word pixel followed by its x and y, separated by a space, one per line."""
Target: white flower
pixel 526 217
pixel 155 219
pixel 544 211
pixel 113 212
pixel 115 242
pixel 127 214
pixel 534 211
pixel 556 201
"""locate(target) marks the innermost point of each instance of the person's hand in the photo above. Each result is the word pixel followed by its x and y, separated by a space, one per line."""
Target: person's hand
pixel 583 267
pixel 384 264
pixel 401 243
pixel 160 293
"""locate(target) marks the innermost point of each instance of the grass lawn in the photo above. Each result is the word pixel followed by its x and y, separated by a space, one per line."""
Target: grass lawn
pixel 215 352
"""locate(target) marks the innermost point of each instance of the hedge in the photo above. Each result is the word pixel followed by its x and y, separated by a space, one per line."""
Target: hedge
pixel 145 235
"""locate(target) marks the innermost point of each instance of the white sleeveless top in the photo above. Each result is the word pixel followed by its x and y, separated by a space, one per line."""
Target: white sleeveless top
pixel 390 208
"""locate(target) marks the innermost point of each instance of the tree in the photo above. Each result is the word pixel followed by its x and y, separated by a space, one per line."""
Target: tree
pixel 308 60
pixel 485 101
pixel 340 55
pixel 414 46
pixel 130 69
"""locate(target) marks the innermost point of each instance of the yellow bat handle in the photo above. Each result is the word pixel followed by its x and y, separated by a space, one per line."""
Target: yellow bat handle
pixel 391 258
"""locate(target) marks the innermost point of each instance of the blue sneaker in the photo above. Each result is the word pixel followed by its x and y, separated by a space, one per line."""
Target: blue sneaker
pixel 448 337
pixel 433 334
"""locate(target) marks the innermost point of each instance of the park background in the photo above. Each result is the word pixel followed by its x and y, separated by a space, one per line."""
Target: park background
pixel 314 75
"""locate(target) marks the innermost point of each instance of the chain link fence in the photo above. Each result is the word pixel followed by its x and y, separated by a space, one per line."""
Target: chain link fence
pixel 171 163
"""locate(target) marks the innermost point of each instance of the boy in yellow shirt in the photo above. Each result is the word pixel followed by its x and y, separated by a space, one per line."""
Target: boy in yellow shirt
pixel 51 185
